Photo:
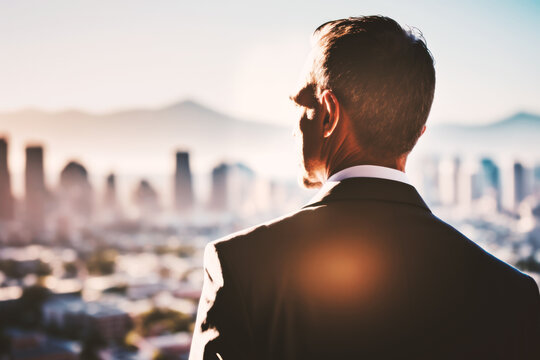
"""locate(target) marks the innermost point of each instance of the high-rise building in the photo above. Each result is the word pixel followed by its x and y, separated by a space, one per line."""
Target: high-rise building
pixel 183 188
pixel 536 173
pixel 109 199
pixel 218 200
pixel 110 210
pixel 75 192
pixel 147 199
pixel 35 191
pixel 232 187
pixel 523 181
pixel 491 180
pixel 429 179
pixel 449 171
pixel 6 197
pixel 517 184
pixel 469 183
pixel 490 173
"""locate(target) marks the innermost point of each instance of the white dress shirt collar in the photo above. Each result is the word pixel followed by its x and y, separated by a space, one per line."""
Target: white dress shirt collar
pixel 373 171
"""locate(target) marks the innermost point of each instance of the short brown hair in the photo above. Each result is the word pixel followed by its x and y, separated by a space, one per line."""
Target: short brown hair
pixel 382 74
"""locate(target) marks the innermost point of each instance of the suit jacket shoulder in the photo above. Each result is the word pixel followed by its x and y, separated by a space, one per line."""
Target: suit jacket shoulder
pixel 366 271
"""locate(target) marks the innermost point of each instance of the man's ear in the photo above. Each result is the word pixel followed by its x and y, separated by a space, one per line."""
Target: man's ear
pixel 333 112
pixel 423 130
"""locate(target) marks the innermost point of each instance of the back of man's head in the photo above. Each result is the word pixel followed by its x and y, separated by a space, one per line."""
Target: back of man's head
pixel 382 75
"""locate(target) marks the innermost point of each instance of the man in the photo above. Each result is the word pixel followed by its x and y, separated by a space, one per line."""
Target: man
pixel 365 270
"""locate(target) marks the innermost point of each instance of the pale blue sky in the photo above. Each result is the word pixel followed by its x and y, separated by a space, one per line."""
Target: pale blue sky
pixel 243 57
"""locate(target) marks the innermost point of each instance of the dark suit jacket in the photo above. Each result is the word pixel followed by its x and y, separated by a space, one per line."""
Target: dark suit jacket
pixel 367 272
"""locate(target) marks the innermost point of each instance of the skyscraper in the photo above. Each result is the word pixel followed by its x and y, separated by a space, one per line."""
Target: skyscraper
pixel 469 182
pixel 490 173
pixel 183 189
pixel 232 187
pixel 6 197
pixel 517 184
pixel 490 178
pixel 218 200
pixel 449 171
pixel 430 179
pixel 147 199
pixel 35 192
pixel 536 180
pixel 523 181
pixel 110 211
pixel 75 192
pixel 109 199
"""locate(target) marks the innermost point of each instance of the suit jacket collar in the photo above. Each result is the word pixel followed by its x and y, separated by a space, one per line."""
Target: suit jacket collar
pixel 366 188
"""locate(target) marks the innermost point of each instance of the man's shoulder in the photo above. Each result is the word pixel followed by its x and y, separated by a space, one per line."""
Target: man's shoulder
pixel 493 270
pixel 270 229
pixel 282 233
pixel 480 255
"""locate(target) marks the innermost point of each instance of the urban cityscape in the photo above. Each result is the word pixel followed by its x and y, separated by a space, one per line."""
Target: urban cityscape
pixel 95 282
pixel 82 277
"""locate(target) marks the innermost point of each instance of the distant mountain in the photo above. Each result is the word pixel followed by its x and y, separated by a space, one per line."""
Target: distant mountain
pixel 517 120
pixel 144 140
pixel 515 136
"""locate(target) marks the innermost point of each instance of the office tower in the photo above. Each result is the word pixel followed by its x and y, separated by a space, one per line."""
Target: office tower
pixel 35 192
pixel 75 192
pixel 146 198
pixel 519 182
pixel 183 188
pixel 232 187
pixel 490 173
pixel 109 198
pixel 507 183
pixel 469 184
pixel 110 210
pixel 536 173
pixel 429 180
pixel 6 197
pixel 218 198
pixel 523 182
pixel 516 185
pixel 490 180
pixel 449 170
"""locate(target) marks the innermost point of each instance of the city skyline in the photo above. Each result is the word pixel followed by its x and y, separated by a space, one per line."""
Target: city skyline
pixel 113 142
pixel 80 193
pixel 230 184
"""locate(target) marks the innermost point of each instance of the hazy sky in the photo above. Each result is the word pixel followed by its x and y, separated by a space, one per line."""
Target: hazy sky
pixel 243 57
